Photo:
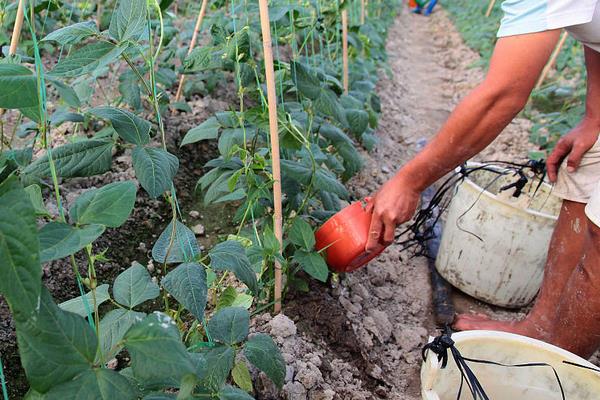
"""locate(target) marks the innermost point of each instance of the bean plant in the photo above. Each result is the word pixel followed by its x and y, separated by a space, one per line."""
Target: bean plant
pixel 183 333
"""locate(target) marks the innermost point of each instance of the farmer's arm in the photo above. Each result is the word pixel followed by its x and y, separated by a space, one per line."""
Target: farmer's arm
pixel 577 142
pixel 514 68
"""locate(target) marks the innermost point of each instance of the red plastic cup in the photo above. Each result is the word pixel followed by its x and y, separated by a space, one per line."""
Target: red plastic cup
pixel 344 237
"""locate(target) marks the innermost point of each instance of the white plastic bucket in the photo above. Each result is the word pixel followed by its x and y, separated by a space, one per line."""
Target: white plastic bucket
pixel 493 245
pixel 503 383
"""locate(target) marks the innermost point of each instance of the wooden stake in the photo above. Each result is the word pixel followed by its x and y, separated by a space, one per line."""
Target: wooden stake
pixel 345 48
pixel 490 8
pixel 552 61
pixel 98 14
pixel 274 134
pixel 192 44
pixel 362 12
pixel 16 35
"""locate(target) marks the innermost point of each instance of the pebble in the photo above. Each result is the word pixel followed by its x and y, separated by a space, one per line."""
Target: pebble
pixel 410 337
pixel 282 326
pixel 198 229
pixel 194 214
pixel 294 391
pixel 383 324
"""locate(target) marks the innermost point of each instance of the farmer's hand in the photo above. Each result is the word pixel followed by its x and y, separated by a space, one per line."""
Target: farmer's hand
pixel 393 204
pixel 573 146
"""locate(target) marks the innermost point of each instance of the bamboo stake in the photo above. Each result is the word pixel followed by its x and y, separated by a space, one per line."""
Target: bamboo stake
pixel 192 44
pixel 490 8
pixel 552 61
pixel 362 12
pixel 274 134
pixel 16 35
pixel 345 48
pixel 98 14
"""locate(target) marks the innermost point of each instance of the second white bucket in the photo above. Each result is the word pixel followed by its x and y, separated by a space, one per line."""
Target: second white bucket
pixel 493 245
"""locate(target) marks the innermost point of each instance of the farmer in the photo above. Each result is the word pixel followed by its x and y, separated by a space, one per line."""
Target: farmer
pixel 419 4
pixel 567 310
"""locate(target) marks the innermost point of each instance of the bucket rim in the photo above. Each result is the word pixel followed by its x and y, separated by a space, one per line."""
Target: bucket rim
pixel 483 192
pixel 513 337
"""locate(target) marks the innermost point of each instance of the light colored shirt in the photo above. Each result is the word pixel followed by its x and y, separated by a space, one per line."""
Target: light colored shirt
pixel 581 18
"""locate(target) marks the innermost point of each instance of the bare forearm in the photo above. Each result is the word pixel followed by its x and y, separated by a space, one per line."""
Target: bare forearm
pixel 473 125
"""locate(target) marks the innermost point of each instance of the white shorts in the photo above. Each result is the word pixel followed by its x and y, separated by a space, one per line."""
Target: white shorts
pixel 583 185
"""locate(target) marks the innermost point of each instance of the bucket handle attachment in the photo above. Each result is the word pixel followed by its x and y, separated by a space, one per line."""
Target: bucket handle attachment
pixel 440 346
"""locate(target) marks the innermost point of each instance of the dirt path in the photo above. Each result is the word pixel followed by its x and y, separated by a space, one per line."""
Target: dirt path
pixel 361 338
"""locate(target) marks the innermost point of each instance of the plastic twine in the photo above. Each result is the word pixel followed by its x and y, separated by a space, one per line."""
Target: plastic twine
pixel 444 343
pixel 3 381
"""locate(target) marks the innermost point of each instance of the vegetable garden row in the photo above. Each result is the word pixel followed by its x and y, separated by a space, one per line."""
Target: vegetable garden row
pixel 89 82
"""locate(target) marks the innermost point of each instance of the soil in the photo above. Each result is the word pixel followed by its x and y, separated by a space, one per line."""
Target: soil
pixel 359 336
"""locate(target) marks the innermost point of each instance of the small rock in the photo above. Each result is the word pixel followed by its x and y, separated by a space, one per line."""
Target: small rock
pixel 282 326
pixel 289 373
pixel 309 376
pixel 198 229
pixel 410 337
pixel 385 169
pixel 150 266
pixel 294 391
pixel 326 394
pixel 194 214
pixel 142 246
pixel 384 292
pixel 383 325
pixel 361 291
pixel 348 306
pixel 112 364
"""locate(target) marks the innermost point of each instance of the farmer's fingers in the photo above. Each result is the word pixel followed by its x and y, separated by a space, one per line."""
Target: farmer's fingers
pixel 375 231
pixel 560 151
pixel 388 235
pixel 574 159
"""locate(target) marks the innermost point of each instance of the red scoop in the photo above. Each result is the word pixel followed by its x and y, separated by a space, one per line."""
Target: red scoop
pixel 344 237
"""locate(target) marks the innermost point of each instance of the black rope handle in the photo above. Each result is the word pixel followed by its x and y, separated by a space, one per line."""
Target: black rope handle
pixel 440 346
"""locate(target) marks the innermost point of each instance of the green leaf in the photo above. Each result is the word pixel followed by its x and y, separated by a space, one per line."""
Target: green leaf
pixel 128 126
pixel 328 104
pixel 78 304
pixel 313 264
pixel 134 286
pixel 113 327
pixel 358 120
pixel 187 284
pixel 128 21
pixel 241 376
pixel 157 353
pixel 232 393
pixel 58 240
pixel 20 271
pixel 109 205
pixel 306 81
pixel 324 180
pixel 79 159
pixel 209 129
pixel 182 248
pixel 301 234
pixel 55 346
pixel 86 59
pixel 73 33
pixel 264 354
pixel 219 362
pixel 97 384
pixel 155 169
pixel 35 196
pixel 231 256
pixel 230 325
pixel 19 87
pixel 227 297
